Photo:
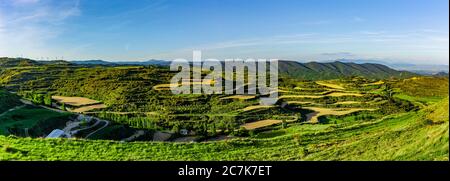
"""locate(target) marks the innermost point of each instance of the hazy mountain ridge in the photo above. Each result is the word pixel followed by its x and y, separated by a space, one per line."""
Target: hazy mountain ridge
pixel 423 69
pixel 310 70
pixel 102 62
pixel 17 62
pixel 22 62
pixel 331 70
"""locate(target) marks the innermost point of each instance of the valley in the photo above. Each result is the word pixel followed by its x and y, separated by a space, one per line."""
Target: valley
pixel 127 112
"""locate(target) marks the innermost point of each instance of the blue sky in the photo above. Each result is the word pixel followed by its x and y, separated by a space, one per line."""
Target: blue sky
pixel 409 31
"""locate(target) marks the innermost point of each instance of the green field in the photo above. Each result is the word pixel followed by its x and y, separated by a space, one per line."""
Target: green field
pixel 31 121
pixel 345 118
pixel 8 101
pixel 408 136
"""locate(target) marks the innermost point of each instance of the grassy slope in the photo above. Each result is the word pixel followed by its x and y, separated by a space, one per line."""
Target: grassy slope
pixel 333 70
pixel 26 118
pixel 421 135
pixel 422 90
pixel 14 115
pixel 8 101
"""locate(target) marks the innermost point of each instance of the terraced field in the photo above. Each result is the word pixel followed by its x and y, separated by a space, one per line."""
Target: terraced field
pixel 249 108
pixel 312 120
pixel 261 124
pixel 79 104
pixel 313 96
pixel 348 102
pixel 239 97
pixel 167 87
pixel 75 101
pixel 84 109
pixel 330 85
pixel 404 136
pixel 318 111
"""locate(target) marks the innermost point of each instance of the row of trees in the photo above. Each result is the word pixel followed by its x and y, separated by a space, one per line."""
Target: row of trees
pixel 201 125
pixel 38 98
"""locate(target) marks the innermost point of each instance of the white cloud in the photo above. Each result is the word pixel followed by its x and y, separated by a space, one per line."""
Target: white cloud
pixel 27 30
pixel 23 2
pixel 273 40
pixel 417 46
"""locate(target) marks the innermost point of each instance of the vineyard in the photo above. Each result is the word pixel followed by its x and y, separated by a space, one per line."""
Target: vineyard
pixel 134 104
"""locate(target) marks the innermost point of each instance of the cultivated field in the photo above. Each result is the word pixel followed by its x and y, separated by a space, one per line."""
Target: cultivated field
pixel 184 82
pixel 330 85
pixel 239 97
pixel 88 108
pixel 260 124
pixel 75 101
pixel 318 111
pixel 299 102
pixel 249 108
pixel 338 94
pixel 348 102
pixel 354 118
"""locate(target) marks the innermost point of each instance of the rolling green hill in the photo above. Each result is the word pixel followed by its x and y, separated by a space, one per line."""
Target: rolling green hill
pixel 421 135
pixel 308 71
pixel 333 70
pixel 395 130
pixel 17 62
pixel 7 101
pixel 20 119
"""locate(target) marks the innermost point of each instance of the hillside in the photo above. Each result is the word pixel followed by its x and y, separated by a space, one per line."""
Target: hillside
pixel 24 62
pixel 17 62
pixel 92 62
pixel 333 70
pixel 55 62
pixel 307 71
pixel 419 135
pixel 340 119
pixel 7 101
pixel 121 63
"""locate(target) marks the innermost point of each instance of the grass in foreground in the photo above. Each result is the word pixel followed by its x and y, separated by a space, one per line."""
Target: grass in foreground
pixel 421 135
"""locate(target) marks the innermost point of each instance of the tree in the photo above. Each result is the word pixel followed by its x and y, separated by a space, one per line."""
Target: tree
pixel 387 91
pixel 63 107
pixel 284 124
pixel 176 128
pixel 213 129
pixel 38 99
pixel 48 100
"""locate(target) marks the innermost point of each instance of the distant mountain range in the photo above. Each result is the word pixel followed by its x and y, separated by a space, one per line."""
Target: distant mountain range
pixel 14 62
pixel 419 69
pixel 424 69
pixel 310 70
pixel 331 70
pixel 102 62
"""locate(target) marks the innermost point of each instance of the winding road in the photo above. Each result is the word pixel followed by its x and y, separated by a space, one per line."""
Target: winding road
pixel 68 129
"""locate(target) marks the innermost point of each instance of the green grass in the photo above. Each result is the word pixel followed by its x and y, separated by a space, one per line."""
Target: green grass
pixel 397 131
pixel 293 129
pixel 424 86
pixel 8 101
pixel 35 119
pixel 361 116
pixel 406 136
pixel 419 100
